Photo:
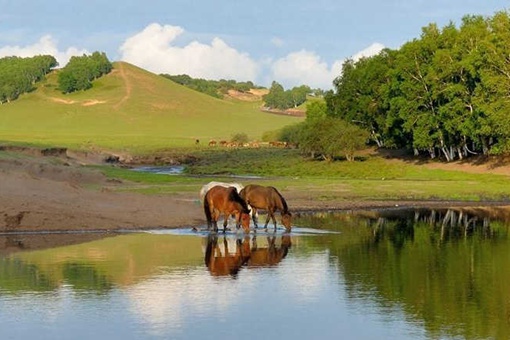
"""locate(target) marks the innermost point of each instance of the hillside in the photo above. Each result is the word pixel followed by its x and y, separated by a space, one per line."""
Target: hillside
pixel 130 108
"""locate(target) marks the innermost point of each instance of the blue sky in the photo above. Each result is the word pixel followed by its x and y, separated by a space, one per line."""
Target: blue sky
pixel 292 42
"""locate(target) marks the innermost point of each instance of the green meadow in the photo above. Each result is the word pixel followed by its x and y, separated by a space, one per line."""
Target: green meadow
pixel 135 111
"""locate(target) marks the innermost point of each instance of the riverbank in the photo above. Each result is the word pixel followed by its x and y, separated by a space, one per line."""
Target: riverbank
pixel 59 194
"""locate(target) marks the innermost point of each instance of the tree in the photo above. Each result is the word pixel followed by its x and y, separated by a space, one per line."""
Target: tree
pixel 331 138
pixel 79 72
pixel 316 110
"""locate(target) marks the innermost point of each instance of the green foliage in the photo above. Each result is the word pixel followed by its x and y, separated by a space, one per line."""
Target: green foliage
pixel 214 88
pixel 445 93
pixel 18 75
pixel 79 72
pixel 316 110
pixel 240 138
pixel 278 98
pixel 272 135
pixel 327 137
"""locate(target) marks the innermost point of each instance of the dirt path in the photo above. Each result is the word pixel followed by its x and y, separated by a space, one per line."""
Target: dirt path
pixel 127 85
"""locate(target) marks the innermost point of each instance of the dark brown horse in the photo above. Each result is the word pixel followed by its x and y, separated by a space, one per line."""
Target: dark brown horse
pixel 268 199
pixel 225 201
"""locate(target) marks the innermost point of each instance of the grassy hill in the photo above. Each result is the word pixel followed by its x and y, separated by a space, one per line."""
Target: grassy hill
pixel 130 109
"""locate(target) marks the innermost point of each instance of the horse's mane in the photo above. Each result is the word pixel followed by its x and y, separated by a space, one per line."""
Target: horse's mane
pixel 284 203
pixel 234 196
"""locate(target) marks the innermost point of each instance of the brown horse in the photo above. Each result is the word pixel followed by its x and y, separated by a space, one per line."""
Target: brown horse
pixel 269 199
pixel 220 200
pixel 227 262
pixel 270 256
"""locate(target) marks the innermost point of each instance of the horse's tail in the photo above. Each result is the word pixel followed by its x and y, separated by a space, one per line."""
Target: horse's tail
pixel 207 210
pixel 285 208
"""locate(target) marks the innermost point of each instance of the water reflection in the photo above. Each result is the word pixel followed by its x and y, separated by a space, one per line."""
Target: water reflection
pixel 397 274
pixel 444 267
pixel 226 255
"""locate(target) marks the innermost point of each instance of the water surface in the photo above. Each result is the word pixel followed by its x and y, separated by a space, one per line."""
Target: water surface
pixel 398 274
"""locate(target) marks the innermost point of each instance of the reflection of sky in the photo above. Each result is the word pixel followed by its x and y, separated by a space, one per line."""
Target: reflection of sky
pixel 301 298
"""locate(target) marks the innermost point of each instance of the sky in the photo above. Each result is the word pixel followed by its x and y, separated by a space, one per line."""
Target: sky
pixel 297 42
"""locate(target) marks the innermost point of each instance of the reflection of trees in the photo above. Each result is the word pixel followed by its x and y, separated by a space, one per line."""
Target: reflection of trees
pixel 86 278
pixel 17 276
pixel 95 266
pixel 446 268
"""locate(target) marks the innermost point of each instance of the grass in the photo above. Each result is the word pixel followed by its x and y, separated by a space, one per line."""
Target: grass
pixel 140 113
pixel 373 178
pixel 130 109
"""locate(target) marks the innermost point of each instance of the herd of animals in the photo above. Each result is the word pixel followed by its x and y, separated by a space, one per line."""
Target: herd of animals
pixel 243 203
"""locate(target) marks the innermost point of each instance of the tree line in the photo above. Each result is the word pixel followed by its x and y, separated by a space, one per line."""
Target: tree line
pixel 281 99
pixel 214 88
pixel 80 71
pixel 18 75
pixel 444 94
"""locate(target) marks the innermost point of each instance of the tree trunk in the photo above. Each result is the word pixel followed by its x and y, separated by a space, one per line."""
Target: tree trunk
pixel 446 154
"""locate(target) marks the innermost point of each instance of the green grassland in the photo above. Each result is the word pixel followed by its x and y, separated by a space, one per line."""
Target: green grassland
pixel 369 178
pixel 136 111
pixel 130 109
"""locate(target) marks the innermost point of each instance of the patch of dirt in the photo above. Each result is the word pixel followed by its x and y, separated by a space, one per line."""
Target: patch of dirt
pixel 288 112
pixel 478 164
pixel 93 102
pixel 62 101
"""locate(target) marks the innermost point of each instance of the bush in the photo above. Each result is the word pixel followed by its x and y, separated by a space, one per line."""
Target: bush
pixel 240 138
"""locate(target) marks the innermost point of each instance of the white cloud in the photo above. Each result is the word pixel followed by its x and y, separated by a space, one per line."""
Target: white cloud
pixel 154 49
pixel 371 50
pixel 303 68
pixel 307 68
pixel 45 45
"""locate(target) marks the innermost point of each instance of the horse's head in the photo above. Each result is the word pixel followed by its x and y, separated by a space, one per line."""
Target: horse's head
pixel 287 220
pixel 245 220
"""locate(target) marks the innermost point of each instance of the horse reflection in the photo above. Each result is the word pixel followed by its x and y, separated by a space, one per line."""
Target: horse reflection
pixel 222 262
pixel 228 256
pixel 270 255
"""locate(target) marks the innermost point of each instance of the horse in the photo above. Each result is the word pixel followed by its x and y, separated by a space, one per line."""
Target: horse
pixel 228 263
pixel 270 256
pixel 269 199
pixel 220 200
pixel 205 188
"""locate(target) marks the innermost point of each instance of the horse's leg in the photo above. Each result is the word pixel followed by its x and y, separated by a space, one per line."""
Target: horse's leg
pixel 225 222
pixel 269 214
pixel 215 220
pixel 237 219
pixel 274 221
pixel 254 216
